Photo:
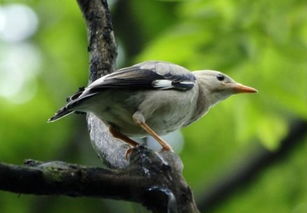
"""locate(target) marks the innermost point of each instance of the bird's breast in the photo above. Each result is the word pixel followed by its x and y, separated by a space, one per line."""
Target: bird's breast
pixel 168 110
pixel 164 110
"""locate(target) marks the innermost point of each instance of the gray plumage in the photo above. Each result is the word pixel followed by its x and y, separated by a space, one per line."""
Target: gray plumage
pixel 163 95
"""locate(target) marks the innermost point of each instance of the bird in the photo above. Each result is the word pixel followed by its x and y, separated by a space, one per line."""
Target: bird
pixel 152 98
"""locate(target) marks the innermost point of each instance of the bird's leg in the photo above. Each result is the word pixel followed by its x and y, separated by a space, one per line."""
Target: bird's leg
pixel 117 134
pixel 140 120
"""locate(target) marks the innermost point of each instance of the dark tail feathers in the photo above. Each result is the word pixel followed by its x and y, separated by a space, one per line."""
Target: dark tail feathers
pixel 70 107
pixel 64 111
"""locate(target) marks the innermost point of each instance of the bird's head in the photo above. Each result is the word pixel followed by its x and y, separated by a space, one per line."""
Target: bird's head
pixel 217 86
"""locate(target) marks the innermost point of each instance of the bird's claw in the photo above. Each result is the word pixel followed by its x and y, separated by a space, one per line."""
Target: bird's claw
pixel 128 153
pixel 166 149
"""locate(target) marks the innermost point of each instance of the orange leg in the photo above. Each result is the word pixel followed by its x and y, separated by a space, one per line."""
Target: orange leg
pixel 139 119
pixel 117 134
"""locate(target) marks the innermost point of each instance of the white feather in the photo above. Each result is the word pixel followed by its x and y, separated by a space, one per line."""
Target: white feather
pixel 187 82
pixel 163 84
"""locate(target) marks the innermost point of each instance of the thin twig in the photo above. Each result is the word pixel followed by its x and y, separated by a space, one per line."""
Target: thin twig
pixel 256 162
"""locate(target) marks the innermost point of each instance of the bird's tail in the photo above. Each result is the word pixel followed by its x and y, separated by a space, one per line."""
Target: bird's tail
pixel 73 105
pixel 64 111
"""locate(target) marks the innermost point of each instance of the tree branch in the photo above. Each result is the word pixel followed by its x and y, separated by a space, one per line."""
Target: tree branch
pixel 152 179
pixel 59 178
pixel 254 164
pixel 102 46
pixel 102 51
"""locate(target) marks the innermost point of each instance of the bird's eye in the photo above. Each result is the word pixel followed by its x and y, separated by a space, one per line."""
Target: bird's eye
pixel 220 77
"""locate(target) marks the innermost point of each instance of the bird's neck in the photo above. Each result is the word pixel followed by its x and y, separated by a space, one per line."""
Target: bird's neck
pixel 205 100
pixel 201 106
pixel 206 94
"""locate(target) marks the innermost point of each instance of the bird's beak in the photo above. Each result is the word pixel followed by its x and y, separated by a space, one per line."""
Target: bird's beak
pixel 240 88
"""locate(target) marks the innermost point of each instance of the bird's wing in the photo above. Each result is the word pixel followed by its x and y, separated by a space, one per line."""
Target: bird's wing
pixel 161 75
pixel 151 75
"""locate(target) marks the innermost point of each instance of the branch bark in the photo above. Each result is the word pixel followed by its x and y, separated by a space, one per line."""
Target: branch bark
pixel 59 178
pixel 152 179
pixel 102 53
pixel 102 46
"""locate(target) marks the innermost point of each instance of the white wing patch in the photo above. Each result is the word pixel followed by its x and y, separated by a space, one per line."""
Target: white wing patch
pixel 162 84
pixel 168 84
pixel 187 83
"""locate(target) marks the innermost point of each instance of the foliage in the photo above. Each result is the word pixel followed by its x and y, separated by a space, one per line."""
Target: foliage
pixel 259 43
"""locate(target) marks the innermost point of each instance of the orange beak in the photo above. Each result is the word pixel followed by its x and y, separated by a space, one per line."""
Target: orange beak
pixel 240 88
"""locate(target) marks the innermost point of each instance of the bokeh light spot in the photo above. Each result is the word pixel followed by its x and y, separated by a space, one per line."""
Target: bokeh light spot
pixel 17 22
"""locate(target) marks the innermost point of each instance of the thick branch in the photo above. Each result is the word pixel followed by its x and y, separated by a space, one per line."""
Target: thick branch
pixel 153 179
pixel 102 51
pixel 59 178
pixel 102 46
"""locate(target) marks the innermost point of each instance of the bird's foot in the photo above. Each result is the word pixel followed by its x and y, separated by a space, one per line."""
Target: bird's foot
pixel 128 153
pixel 140 120
pixel 167 149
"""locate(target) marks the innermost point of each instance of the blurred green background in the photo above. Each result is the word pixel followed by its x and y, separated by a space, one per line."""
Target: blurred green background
pixel 43 59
